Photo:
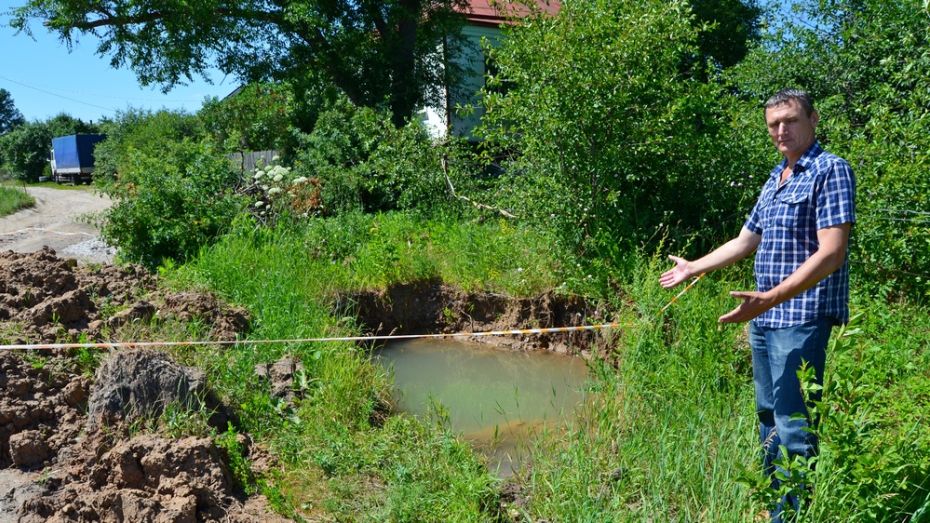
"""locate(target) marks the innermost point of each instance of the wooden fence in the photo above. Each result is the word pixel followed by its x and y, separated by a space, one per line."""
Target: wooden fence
pixel 247 161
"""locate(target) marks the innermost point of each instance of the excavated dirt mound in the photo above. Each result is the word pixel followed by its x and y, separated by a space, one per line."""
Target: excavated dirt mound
pixel 41 411
pixel 93 475
pixel 88 472
pixel 430 306
pixel 148 478
pixel 51 299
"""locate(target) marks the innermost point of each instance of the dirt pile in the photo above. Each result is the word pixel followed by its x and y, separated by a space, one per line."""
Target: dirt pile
pixel 430 306
pixel 41 411
pixel 92 473
pixel 148 478
pixel 227 321
pixel 140 383
pixel 50 299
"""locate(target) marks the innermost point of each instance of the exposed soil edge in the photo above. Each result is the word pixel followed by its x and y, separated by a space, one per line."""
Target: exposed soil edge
pixel 431 306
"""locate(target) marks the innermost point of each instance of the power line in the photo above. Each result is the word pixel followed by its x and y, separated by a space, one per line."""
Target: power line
pixel 110 96
pixel 75 100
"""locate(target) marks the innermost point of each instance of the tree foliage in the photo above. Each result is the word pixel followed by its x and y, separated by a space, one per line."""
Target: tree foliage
pixel 10 116
pixel 377 52
pixel 608 138
pixel 258 117
pixel 729 27
pixel 139 130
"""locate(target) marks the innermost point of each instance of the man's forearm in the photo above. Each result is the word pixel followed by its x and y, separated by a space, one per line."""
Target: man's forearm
pixel 727 254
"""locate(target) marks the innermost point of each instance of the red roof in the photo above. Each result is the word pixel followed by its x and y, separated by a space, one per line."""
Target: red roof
pixel 498 12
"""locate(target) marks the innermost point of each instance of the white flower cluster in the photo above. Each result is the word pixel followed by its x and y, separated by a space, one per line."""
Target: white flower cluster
pixel 276 188
pixel 272 180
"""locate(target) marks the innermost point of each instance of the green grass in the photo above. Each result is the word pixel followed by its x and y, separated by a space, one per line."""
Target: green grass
pixel 668 431
pixel 13 199
pixel 407 470
pixel 49 185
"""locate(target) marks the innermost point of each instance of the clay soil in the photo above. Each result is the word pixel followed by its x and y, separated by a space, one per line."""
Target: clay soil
pixel 432 307
pixel 59 464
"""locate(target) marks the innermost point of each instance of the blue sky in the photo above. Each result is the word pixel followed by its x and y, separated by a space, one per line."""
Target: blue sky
pixel 45 79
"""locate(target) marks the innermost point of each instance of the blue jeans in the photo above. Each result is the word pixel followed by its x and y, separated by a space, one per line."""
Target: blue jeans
pixel 777 354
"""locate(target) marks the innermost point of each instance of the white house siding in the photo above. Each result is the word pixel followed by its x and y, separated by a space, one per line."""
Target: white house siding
pixel 469 58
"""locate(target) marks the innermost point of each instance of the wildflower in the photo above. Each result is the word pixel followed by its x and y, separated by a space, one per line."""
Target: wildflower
pixel 273 191
pixel 278 177
pixel 259 204
pixel 258 174
pixel 299 180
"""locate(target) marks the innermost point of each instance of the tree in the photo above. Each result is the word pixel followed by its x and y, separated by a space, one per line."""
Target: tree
pixel 609 139
pixel 732 25
pixel 378 52
pixel 259 117
pixel 10 116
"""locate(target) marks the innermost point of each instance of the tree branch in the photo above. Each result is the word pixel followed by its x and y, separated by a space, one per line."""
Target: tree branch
pixel 445 172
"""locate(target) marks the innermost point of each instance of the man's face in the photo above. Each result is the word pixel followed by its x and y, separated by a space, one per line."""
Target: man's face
pixel 792 131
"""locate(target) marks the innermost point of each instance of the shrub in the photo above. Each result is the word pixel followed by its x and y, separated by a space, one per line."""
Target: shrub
pixel 365 163
pixel 141 130
pixel 170 202
pixel 258 117
pixel 608 139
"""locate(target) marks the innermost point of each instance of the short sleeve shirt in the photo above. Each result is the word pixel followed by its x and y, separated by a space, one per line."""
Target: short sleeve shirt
pixel 819 193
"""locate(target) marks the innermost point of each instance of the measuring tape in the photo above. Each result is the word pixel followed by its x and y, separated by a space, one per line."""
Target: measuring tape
pixel 152 344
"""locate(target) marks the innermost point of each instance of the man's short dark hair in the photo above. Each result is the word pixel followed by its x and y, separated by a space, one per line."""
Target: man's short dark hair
pixel 786 95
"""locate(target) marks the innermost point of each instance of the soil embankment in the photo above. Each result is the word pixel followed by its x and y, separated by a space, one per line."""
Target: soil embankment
pixel 432 307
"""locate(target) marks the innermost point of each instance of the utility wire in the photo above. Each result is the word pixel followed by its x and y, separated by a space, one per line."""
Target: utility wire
pixel 75 100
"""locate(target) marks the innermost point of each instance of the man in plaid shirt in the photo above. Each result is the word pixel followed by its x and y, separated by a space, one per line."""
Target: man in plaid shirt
pixel 799 229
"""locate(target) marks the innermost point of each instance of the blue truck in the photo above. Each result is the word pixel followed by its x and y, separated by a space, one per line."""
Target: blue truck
pixel 73 157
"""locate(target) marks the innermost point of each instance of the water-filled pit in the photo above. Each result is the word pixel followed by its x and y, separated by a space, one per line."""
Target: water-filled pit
pixel 495 398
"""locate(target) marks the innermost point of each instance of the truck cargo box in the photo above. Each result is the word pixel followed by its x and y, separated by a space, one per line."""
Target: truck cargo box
pixel 73 156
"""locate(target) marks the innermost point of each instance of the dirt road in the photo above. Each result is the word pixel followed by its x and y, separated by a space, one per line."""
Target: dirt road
pixel 56 221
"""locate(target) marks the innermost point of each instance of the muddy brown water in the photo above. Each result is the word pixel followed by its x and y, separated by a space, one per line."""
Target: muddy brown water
pixel 497 399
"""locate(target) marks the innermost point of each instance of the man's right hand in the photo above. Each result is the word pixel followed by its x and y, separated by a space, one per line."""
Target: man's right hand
pixel 677 274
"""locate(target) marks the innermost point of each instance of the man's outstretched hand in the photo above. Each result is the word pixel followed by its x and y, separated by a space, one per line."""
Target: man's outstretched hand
pixel 677 274
pixel 754 304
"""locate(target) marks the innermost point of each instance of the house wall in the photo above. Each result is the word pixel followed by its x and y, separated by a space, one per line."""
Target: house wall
pixel 469 59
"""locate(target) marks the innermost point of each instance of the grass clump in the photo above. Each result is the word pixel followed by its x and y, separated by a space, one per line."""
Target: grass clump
pixel 13 199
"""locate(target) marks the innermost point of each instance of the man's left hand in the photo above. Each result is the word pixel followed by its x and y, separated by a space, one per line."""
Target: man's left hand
pixel 754 304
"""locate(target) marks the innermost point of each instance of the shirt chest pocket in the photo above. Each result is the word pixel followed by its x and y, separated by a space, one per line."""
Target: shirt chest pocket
pixel 792 206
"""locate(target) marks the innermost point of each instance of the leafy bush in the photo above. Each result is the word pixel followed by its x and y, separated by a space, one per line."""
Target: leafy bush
pixel 170 201
pixel 257 118
pixel 364 163
pixel 139 130
pixel 608 139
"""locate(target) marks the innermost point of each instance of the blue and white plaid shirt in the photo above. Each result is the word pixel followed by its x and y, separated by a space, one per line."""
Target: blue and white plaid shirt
pixel 820 193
